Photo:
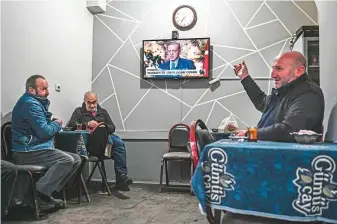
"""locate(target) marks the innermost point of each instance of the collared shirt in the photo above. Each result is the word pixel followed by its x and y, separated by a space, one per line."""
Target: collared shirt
pixel 175 63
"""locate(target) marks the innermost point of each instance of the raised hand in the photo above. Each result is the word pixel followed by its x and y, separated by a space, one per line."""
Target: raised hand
pixel 241 70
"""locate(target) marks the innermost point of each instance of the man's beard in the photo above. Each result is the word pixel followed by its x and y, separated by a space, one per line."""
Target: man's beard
pixel 40 96
pixel 43 97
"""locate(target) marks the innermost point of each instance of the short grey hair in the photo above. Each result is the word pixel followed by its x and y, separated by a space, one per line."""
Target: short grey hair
pixel 89 93
pixel 173 43
pixel 301 61
pixel 31 81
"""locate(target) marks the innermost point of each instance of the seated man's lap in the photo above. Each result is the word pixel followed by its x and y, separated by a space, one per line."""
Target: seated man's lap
pixel 47 157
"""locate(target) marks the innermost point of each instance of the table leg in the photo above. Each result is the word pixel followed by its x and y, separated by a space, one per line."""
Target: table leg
pixel 85 189
pixel 218 216
pixel 80 182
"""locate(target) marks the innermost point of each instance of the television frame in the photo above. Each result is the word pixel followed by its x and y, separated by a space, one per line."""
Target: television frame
pixel 143 75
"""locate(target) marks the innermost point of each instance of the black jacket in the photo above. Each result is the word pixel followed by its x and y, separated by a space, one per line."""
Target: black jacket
pixel 301 106
pixel 81 115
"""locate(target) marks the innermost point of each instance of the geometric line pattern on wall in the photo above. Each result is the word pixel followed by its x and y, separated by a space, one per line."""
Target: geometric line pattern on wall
pixel 205 100
pixel 262 16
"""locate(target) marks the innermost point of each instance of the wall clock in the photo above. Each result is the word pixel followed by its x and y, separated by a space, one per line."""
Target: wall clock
pixel 184 17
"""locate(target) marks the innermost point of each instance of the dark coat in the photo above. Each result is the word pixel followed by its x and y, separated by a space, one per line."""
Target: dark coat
pixel 300 107
pixel 81 115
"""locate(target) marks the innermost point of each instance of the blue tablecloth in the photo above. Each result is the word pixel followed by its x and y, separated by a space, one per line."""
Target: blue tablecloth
pixel 279 180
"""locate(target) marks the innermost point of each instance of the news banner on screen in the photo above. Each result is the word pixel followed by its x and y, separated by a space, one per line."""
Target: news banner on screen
pixel 176 59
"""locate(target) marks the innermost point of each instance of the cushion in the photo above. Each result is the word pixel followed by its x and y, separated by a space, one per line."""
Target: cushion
pixel 177 155
pixel 32 168
pixel 92 159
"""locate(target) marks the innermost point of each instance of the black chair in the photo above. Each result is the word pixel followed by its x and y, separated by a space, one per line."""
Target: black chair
pixel 203 137
pixel 331 132
pixel 34 172
pixel 97 146
pixel 200 137
pixel 178 150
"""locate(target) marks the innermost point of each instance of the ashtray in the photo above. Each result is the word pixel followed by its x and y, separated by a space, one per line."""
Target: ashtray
pixel 305 136
pixel 238 138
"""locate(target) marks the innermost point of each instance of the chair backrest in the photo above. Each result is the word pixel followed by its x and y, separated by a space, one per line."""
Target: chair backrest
pixel 97 141
pixel 320 138
pixel 331 132
pixel 178 138
pixel 199 138
pixel 6 141
pixel 203 136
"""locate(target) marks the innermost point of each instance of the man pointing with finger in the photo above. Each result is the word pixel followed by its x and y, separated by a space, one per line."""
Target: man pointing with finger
pixel 296 103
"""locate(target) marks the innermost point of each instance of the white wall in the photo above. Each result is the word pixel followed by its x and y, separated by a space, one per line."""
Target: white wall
pixel 327 18
pixel 52 38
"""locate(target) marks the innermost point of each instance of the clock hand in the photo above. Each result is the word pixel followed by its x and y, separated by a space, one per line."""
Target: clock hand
pixel 183 19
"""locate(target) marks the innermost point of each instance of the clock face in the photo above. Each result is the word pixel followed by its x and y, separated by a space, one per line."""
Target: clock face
pixel 184 17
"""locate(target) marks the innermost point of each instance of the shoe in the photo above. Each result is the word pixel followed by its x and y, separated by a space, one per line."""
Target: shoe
pixel 122 183
pixel 43 205
pixel 129 181
pixel 57 203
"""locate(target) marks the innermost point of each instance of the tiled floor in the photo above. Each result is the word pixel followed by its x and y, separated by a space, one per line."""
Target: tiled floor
pixel 145 205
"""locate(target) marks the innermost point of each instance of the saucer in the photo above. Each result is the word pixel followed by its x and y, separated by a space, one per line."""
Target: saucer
pixel 236 138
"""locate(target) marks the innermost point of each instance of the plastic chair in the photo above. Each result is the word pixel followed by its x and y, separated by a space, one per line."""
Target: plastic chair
pixel 178 150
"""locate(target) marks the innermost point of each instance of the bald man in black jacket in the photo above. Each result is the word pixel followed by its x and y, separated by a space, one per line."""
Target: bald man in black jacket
pixel 296 103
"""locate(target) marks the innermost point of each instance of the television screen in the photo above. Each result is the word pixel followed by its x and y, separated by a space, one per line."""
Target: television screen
pixel 176 58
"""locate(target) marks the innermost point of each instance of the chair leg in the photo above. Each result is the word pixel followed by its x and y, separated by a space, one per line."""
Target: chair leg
pixel 92 172
pixel 105 177
pixel 181 171
pixel 79 187
pixel 64 198
pixel 85 188
pixel 79 180
pixel 36 205
pixel 166 173
pixel 104 180
pixel 191 174
pixel 161 176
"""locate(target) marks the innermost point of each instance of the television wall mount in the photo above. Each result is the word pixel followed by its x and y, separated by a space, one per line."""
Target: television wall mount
pixel 175 34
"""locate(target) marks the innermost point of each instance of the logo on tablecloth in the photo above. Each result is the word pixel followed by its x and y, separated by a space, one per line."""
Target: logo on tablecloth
pixel 315 187
pixel 217 180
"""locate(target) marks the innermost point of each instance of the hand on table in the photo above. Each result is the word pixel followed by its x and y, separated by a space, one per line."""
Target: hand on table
pixel 241 133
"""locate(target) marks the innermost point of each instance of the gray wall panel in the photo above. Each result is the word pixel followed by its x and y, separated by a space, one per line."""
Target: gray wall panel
pixel 239 30
pixel 169 102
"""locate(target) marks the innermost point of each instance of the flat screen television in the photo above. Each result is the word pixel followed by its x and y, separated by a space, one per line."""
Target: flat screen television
pixel 176 58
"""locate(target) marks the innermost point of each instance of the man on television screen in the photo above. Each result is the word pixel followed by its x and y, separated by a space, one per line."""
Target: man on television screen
pixel 176 62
